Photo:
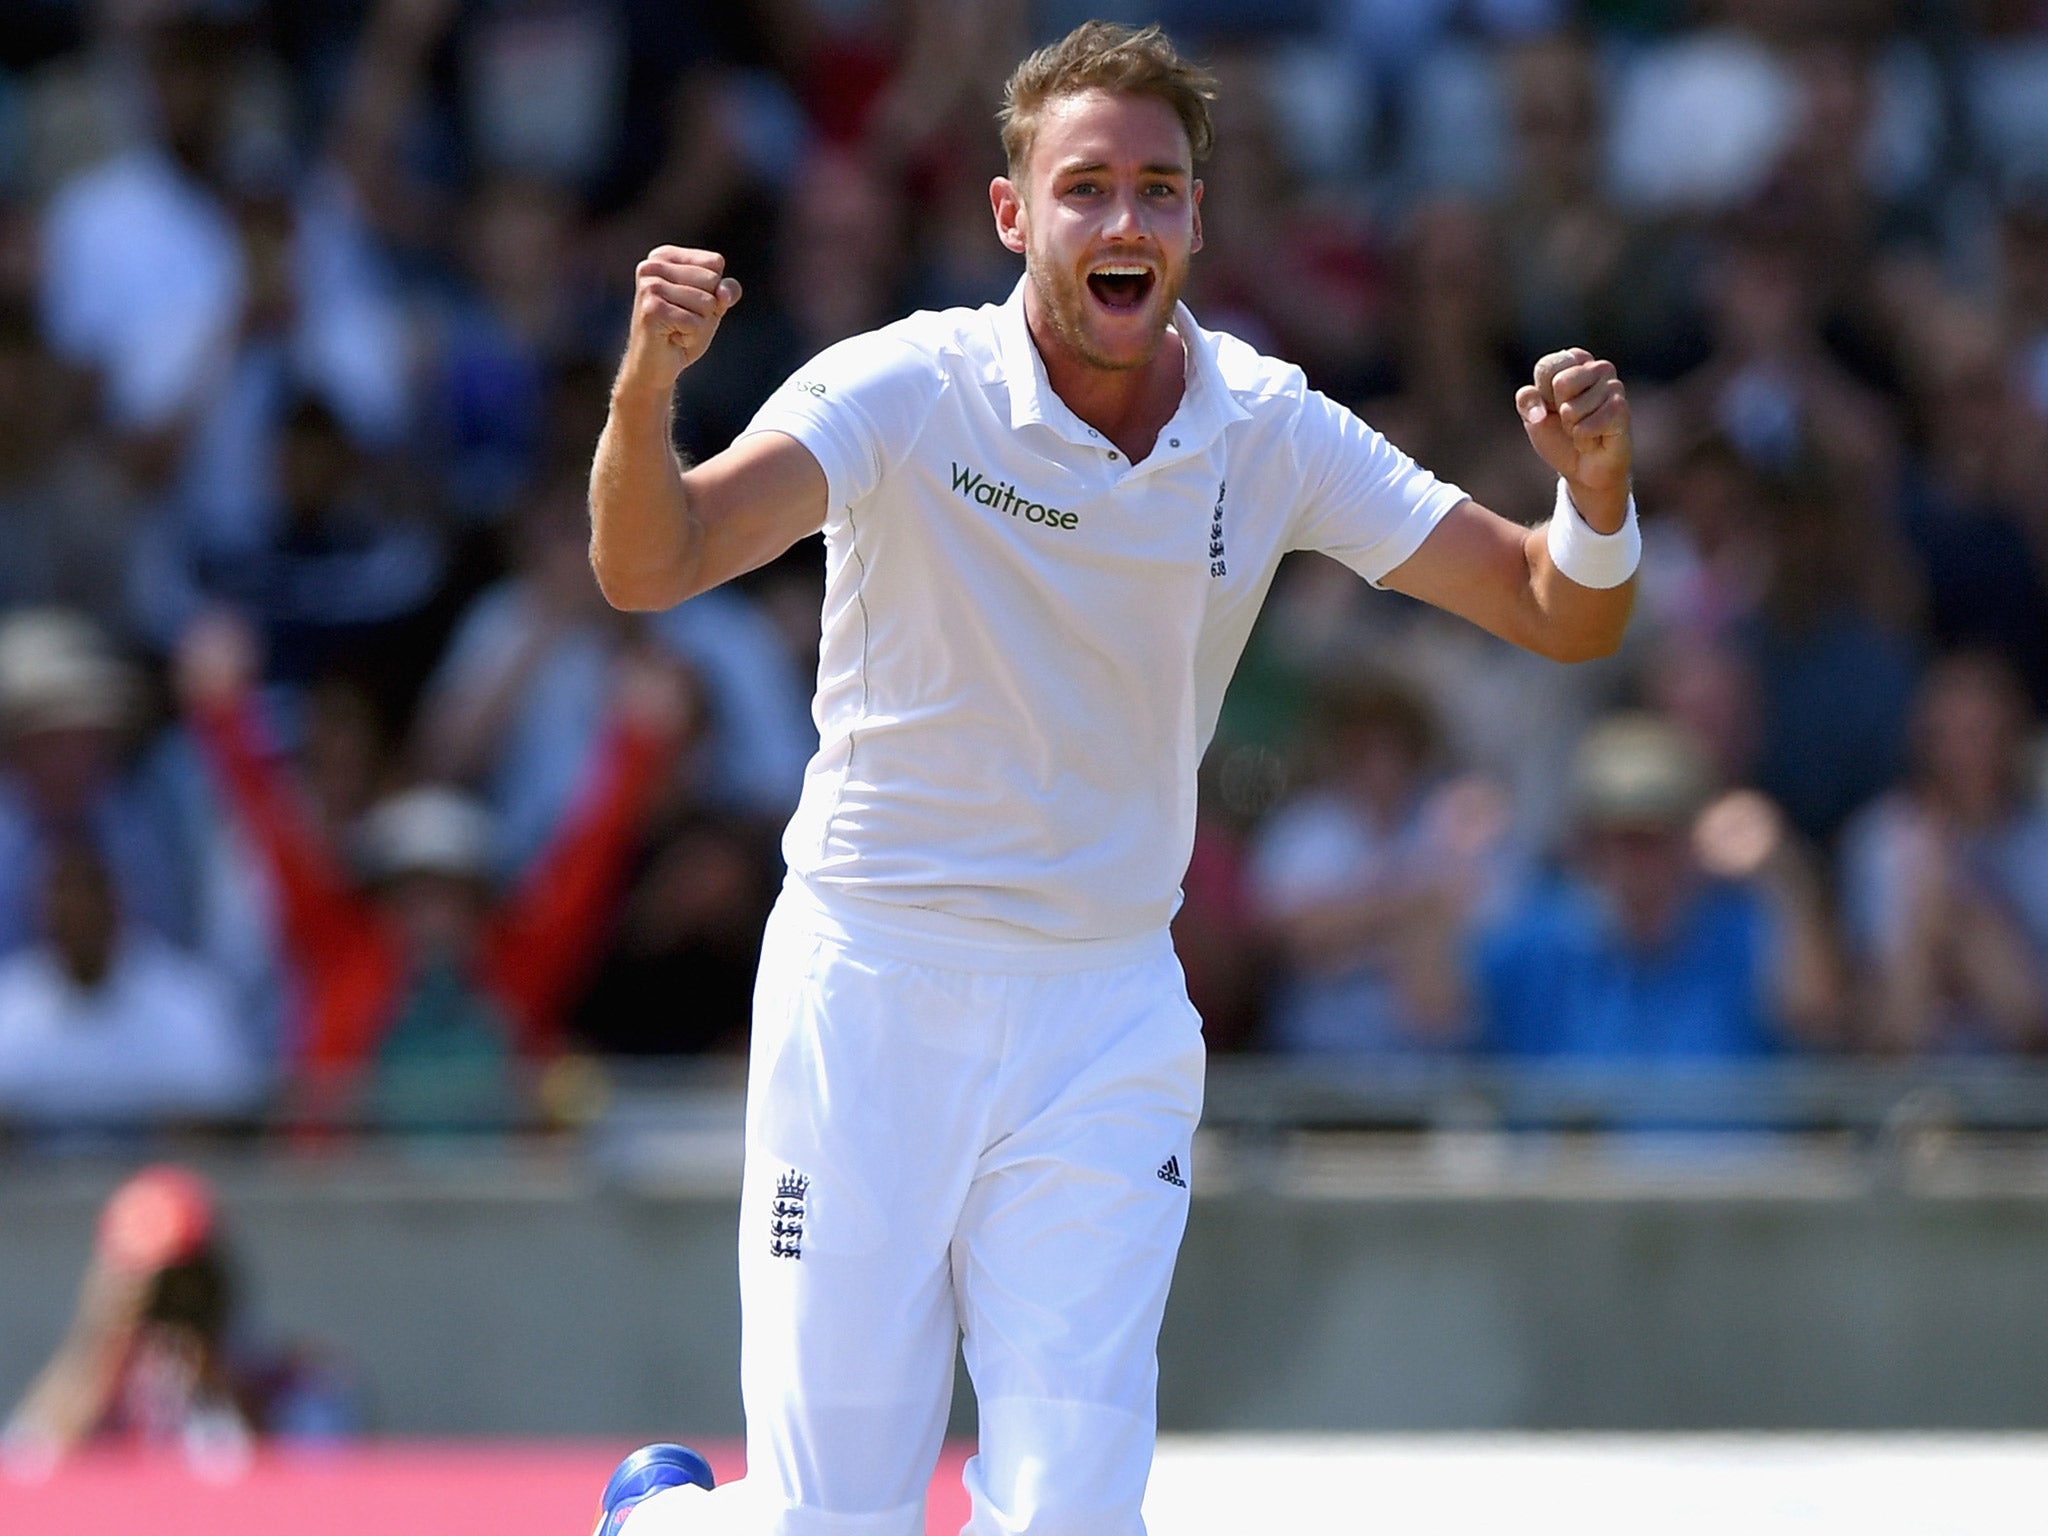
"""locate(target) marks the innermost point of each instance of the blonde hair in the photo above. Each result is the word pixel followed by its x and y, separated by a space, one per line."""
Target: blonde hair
pixel 1103 56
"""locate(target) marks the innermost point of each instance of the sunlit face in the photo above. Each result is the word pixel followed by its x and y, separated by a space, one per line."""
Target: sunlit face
pixel 1106 215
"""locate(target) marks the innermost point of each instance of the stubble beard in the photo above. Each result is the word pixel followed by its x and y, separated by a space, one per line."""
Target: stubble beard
pixel 1064 300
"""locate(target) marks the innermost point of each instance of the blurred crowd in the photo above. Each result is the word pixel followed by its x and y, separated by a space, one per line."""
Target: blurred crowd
pixel 328 782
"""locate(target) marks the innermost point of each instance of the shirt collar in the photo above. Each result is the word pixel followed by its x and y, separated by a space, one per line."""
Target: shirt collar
pixel 1207 405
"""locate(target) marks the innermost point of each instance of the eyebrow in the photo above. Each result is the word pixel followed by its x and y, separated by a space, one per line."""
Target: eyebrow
pixel 1089 167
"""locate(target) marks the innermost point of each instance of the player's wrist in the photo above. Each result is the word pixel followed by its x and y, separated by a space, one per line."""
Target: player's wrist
pixel 648 374
pixel 1603 508
pixel 1583 553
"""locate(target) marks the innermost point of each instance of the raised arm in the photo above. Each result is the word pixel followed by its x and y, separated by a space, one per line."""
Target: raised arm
pixel 1506 578
pixel 658 533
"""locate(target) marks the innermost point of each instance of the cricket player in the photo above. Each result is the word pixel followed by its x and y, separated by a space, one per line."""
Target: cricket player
pixel 1049 525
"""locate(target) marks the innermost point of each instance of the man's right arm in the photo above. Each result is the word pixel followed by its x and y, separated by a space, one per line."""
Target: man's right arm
pixel 658 534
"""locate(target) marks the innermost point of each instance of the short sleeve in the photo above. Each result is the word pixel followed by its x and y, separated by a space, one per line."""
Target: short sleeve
pixel 858 406
pixel 1365 503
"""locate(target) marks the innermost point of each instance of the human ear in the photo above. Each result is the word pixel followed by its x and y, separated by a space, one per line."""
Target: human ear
pixel 1006 201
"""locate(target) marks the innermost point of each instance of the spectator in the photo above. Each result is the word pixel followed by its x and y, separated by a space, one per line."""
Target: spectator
pixel 1566 240
pixel 1511 716
pixel 1945 879
pixel 1699 120
pixel 678 979
pixel 1857 164
pixel 349 574
pixel 1708 552
pixel 105 1026
pixel 1580 273
pixel 1824 219
pixel 1414 50
pixel 498 335
pixel 1455 358
pixel 1299 274
pixel 955 262
pixel 67 708
pixel 339 740
pixel 66 514
pixel 1975 504
pixel 1773 383
pixel 1369 879
pixel 259 276
pixel 157 1352
pixel 1709 691
pixel 422 991
pixel 1832 650
pixel 1219 940
pixel 1679 937
pixel 839 254
pixel 517 701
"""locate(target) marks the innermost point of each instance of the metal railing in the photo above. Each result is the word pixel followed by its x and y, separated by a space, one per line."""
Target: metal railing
pixel 1788 1096
pixel 594 1101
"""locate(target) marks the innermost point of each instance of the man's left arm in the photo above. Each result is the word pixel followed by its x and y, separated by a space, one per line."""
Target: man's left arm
pixel 1564 588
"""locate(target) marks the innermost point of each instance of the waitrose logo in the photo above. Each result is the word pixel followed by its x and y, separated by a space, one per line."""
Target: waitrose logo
pixel 1003 497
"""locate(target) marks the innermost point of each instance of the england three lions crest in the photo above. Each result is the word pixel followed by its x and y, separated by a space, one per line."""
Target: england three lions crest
pixel 786 1216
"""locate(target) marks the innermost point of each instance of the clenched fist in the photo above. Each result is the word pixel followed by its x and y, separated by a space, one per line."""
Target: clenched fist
pixel 1576 415
pixel 679 296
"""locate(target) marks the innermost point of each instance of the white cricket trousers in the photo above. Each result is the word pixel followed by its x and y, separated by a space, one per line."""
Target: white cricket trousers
pixel 996 1155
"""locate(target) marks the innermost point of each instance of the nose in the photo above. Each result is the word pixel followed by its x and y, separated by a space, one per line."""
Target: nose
pixel 1126 218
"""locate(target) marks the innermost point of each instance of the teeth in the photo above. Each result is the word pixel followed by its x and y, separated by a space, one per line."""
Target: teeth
pixel 1114 271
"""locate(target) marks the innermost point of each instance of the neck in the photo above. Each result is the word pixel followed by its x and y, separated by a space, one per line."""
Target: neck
pixel 1128 406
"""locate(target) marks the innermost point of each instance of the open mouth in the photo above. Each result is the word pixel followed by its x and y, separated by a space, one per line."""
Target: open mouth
pixel 1121 289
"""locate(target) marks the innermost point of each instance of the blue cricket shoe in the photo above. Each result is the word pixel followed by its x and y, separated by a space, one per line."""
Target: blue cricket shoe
pixel 647 1471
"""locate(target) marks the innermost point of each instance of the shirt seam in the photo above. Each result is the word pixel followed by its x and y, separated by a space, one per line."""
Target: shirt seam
pixel 860 599
pixel 887 467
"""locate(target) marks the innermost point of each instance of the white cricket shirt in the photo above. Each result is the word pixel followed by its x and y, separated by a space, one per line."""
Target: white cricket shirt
pixel 1026 638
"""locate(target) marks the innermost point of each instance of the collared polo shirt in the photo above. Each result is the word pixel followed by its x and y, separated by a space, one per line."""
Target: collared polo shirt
pixel 1026 637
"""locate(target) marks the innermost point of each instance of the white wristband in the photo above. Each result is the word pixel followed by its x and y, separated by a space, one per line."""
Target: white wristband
pixel 1591 559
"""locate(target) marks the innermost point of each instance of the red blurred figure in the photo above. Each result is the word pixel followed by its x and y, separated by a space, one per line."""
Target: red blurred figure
pixel 419 981
pixel 150 1358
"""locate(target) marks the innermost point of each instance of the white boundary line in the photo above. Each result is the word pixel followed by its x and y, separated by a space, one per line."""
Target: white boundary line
pixel 1600 1485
